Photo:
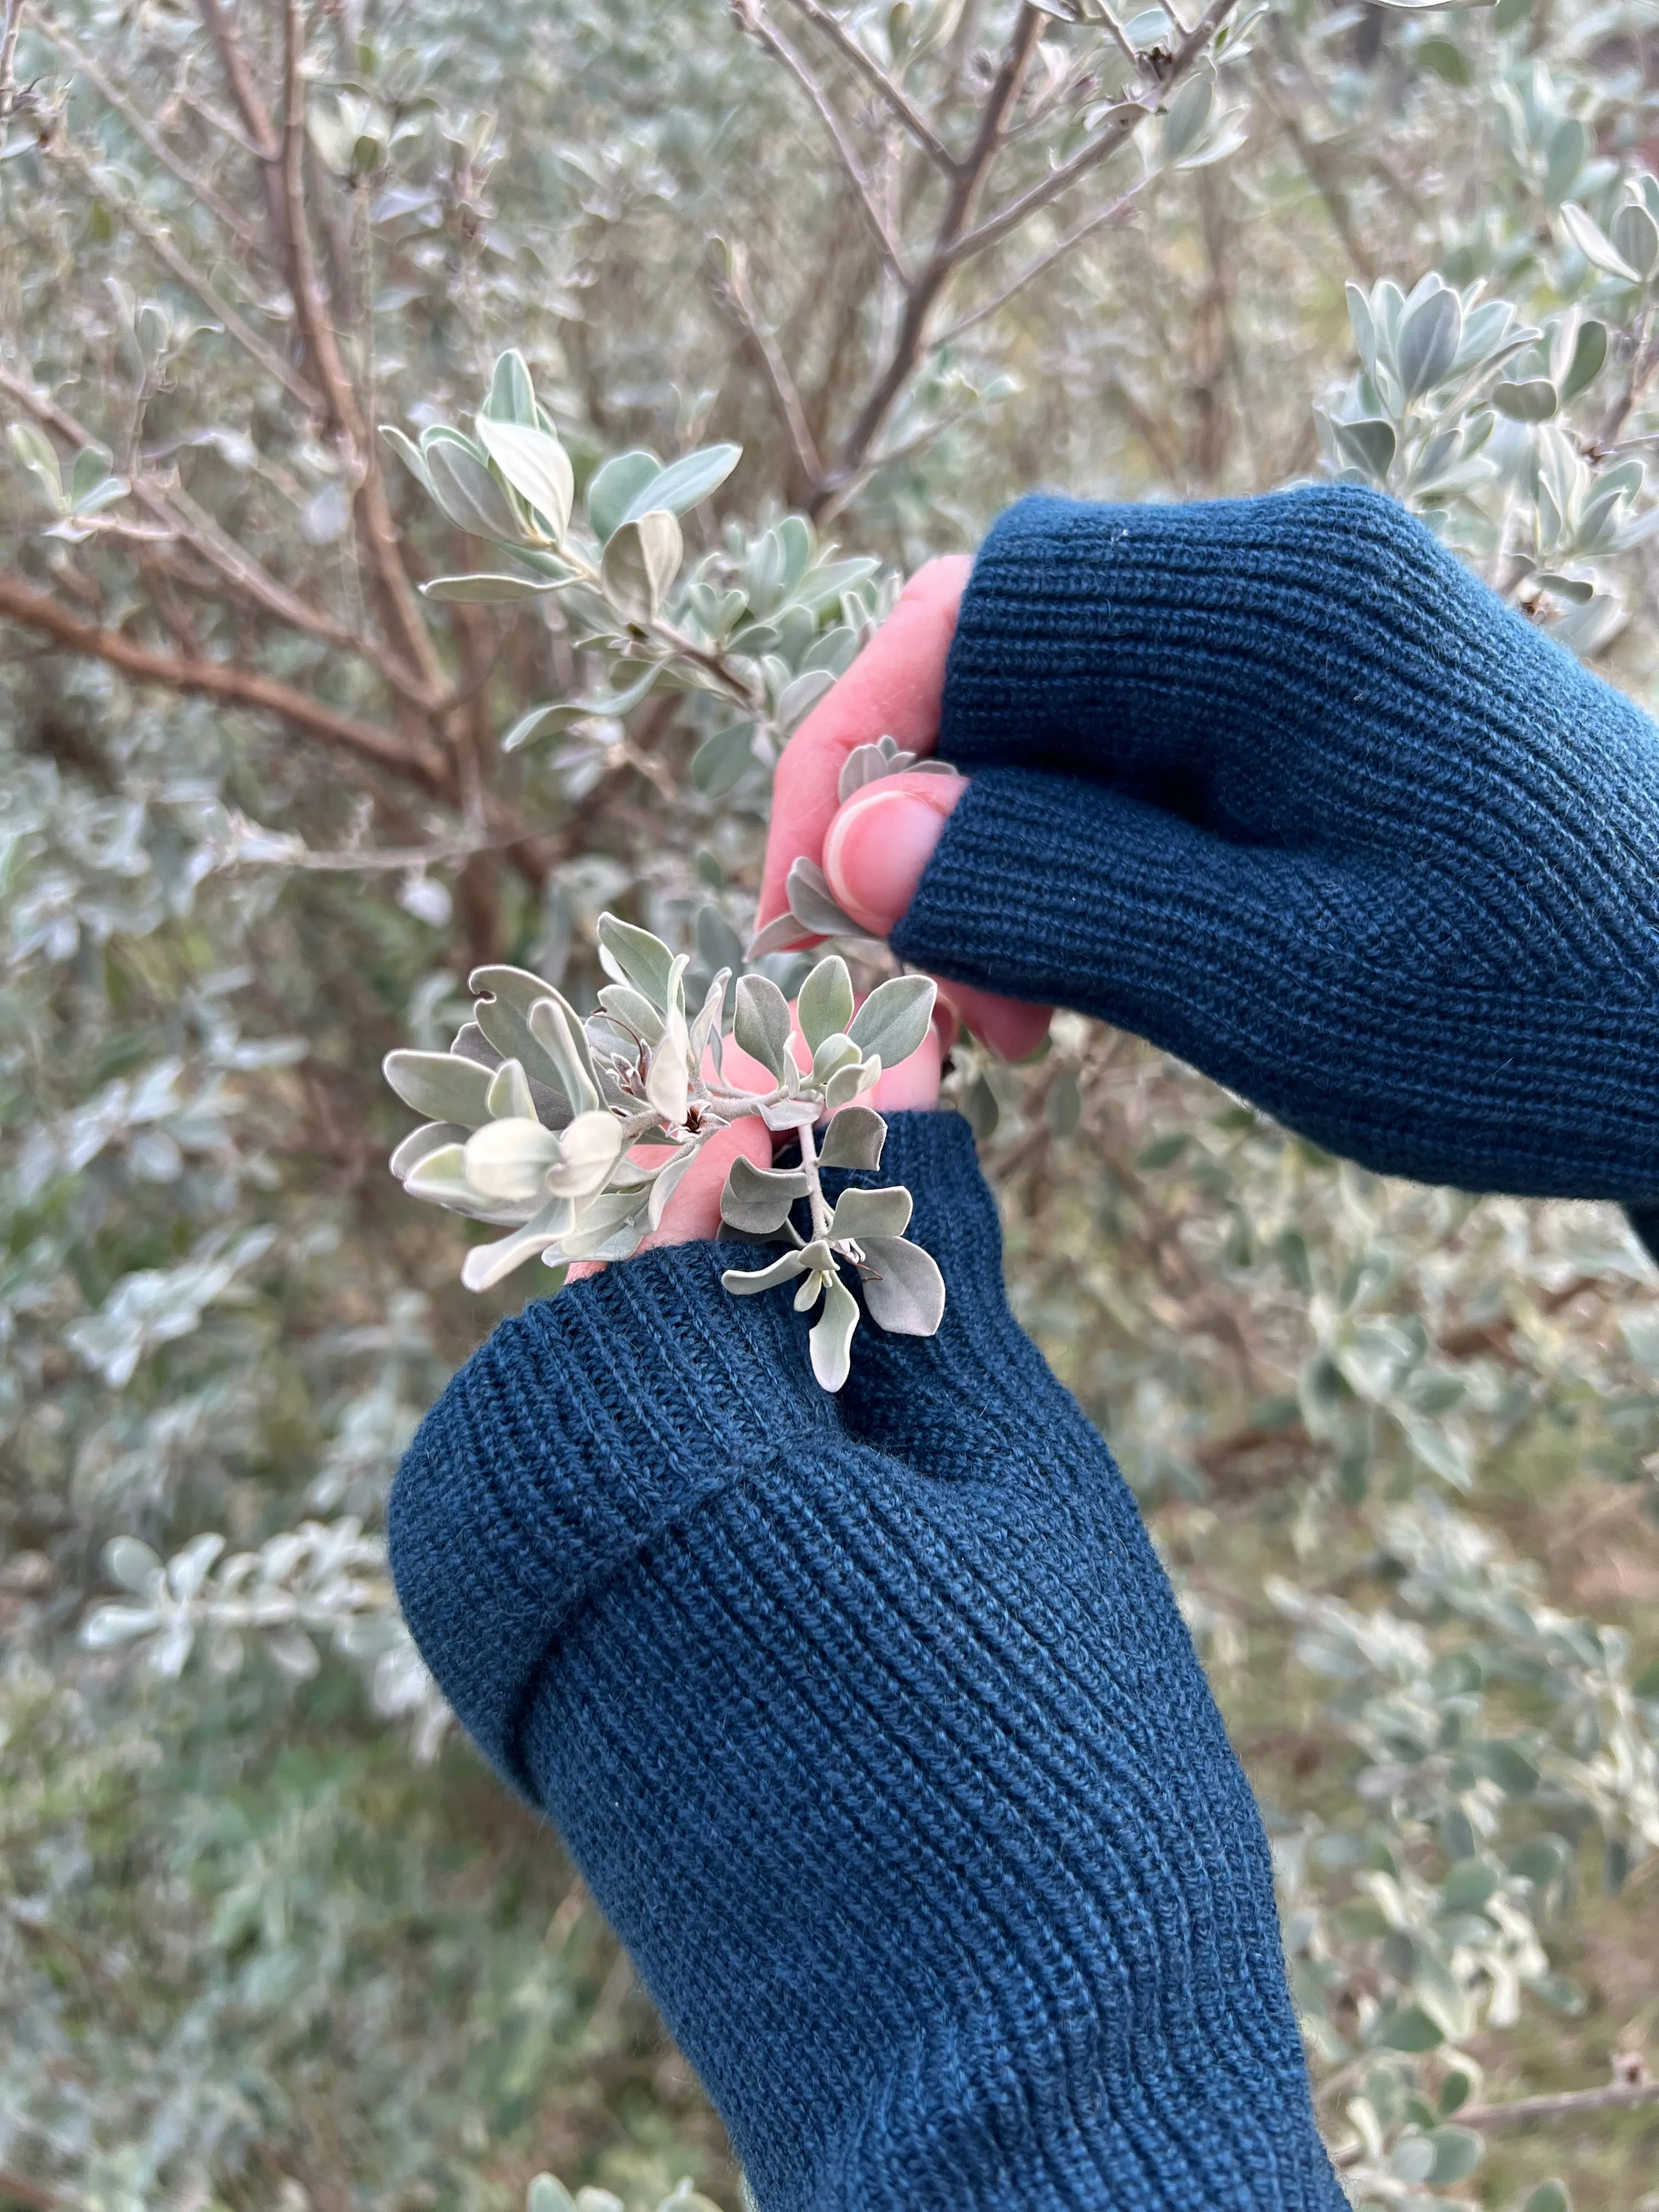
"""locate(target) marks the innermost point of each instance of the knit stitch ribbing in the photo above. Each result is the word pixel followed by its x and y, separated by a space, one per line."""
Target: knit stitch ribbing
pixel 875 1728
pixel 1277 784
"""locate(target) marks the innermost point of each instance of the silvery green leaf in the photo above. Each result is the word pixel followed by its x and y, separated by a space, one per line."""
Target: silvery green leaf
pixel 719 944
pixel 433 1137
pixel 780 934
pixel 409 454
pixel 485 1265
pixel 598 1222
pixel 561 713
pixel 39 455
pixel 812 1289
pixel 560 1036
pixel 641 560
pixel 813 903
pixel 547 2195
pixel 683 483
pixel 1428 342
pixel 512 397
pixel 485 590
pixel 790 1113
pixel 667 1083
pixel 668 1180
pixel 705 1041
pixel 861 1214
pixel 868 765
pixel 893 1020
pixel 1589 352
pixel 464 487
pixel 1365 330
pixel 598 2200
pixel 853 1139
pixel 440 1086
pixel 1369 445
pixel 744 1283
pixel 1531 399
pixel 835 1054
pixel 587 1152
pixel 132 1563
pixel 612 492
pixel 536 466
pixel 761 1025
pixel 439 1178
pixel 1635 238
pixel 632 955
pixel 1593 242
pixel 510 1094
pixel 824 1006
pixel 759 1199
pixel 902 1286
pixel 820 586
pixel 801 693
pixel 835 650
pixel 509 1159
pixel 632 1009
pixel 851 1082
pixel 830 1340
pixel 720 760
pixel 1578 589
pixel 1185 118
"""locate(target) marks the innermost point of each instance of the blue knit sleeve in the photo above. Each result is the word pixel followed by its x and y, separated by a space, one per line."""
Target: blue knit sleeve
pixel 874 1727
pixel 1280 786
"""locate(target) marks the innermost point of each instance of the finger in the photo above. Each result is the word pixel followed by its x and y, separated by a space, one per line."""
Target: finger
pixel 875 854
pixel 894 689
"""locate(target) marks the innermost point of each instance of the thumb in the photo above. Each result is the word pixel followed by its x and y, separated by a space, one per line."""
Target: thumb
pixel 875 855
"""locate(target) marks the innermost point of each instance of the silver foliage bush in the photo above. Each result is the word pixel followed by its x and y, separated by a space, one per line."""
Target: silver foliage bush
pixel 688 331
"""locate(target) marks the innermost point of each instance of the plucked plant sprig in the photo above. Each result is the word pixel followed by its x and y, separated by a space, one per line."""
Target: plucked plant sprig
pixel 573 1135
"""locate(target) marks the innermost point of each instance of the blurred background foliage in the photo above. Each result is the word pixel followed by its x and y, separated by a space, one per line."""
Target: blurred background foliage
pixel 270 1935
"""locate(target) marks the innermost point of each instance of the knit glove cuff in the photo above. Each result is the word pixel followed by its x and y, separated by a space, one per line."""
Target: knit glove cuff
pixel 586 1427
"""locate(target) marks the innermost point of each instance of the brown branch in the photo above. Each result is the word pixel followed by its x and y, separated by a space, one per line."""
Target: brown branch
pixel 1566 2105
pixel 1044 262
pixel 751 15
pixel 33 2194
pixel 877 78
pixel 1315 160
pixel 374 510
pixel 1122 120
pixel 256 120
pixel 10 27
pixel 175 509
pixel 238 687
pixel 732 289
pixel 147 136
pixel 924 290
pixel 171 259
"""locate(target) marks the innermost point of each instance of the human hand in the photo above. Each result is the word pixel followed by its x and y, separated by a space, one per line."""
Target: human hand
pixel 693 1211
pixel 885 835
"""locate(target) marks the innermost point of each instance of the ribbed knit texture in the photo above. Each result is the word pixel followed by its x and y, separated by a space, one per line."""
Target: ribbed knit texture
pixel 874 1727
pixel 1277 784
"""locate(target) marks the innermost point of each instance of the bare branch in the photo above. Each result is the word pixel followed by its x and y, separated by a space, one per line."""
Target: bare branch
pixel 732 289
pixel 752 17
pixel 171 259
pixel 885 87
pixel 217 679
pixel 374 510
pixel 921 294
pixel 113 97
pixel 1566 2105
pixel 256 121
pixel 1075 237
pixel 1122 120
pixel 10 24
pixel 1124 43
pixel 180 517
